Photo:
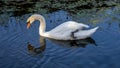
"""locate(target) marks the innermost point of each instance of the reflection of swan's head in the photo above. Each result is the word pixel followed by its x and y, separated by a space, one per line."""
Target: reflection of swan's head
pixel 37 50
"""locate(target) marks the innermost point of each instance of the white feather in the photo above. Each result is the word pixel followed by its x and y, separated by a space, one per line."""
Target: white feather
pixel 85 33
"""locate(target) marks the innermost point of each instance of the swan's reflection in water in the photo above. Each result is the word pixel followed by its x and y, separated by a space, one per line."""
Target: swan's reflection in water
pixel 33 50
pixel 65 43
pixel 74 43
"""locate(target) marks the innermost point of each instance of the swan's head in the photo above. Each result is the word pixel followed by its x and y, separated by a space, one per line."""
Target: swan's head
pixel 32 18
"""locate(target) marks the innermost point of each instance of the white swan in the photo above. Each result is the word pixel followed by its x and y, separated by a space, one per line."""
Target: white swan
pixel 67 31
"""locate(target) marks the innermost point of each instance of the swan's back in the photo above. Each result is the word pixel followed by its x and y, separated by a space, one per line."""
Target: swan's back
pixel 68 26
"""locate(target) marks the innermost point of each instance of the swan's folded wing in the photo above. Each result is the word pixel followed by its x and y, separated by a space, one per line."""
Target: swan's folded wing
pixel 65 30
pixel 74 25
pixel 83 25
pixel 69 27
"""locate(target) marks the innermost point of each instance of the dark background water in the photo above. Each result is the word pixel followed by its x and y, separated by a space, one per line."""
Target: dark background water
pixel 102 50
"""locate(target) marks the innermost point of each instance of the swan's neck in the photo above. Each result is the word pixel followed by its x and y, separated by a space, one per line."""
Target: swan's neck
pixel 42 26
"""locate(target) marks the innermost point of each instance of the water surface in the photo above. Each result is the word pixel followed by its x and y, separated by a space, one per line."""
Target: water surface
pixel 101 50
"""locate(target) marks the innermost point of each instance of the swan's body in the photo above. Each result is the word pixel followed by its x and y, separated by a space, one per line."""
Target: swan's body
pixel 67 31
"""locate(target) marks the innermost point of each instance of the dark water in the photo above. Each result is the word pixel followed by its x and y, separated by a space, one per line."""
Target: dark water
pixel 102 50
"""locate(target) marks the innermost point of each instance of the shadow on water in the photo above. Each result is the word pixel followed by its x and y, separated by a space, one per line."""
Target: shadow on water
pixel 66 43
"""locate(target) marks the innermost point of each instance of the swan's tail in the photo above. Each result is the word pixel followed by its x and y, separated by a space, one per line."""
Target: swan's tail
pixel 91 31
pixel 82 34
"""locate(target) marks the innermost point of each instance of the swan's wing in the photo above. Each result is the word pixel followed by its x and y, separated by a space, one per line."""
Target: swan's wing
pixel 65 30
pixel 69 27
pixel 73 25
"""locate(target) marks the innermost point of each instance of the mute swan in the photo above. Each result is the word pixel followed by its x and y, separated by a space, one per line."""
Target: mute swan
pixel 69 30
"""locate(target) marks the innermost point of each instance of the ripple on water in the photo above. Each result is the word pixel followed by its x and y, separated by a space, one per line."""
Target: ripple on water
pixel 14 52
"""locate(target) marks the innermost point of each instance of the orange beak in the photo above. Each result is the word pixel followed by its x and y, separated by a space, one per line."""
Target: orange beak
pixel 28 25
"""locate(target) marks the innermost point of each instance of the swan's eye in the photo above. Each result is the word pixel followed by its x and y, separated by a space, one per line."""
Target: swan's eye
pixel 28 22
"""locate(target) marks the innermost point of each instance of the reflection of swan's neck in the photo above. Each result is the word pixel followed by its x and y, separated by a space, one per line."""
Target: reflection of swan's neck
pixel 42 26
